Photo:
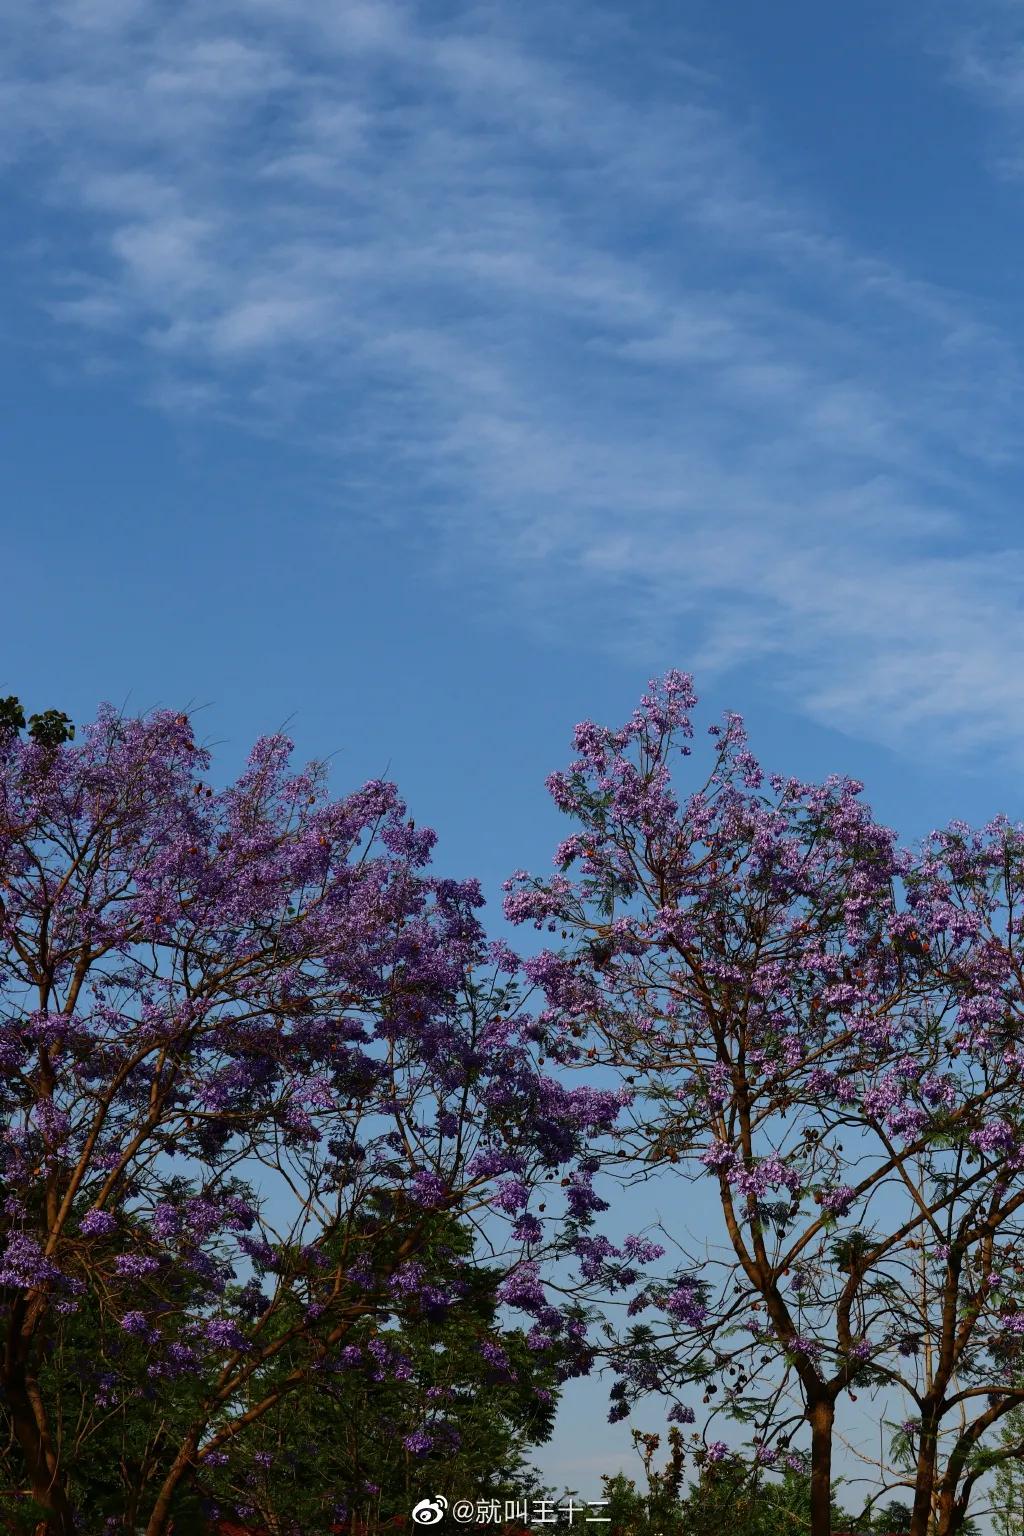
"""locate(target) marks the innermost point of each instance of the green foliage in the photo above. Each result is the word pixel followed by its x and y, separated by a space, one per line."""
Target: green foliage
pixel 19 1512
pixel 116 1434
pixel 731 1497
pixel 334 1445
pixel 895 1516
pixel 342 1446
pixel 726 1496
pixel 12 716
pixel 1008 1492
pixel 50 729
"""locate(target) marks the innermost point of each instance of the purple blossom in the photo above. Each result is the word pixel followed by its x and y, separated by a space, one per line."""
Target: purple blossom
pixel 494 1356
pixel 137 1324
pixel 222 1333
pixel 528 1229
pixel 522 1288
pixel 770 1173
pixel 23 1263
pixel 994 1139
pixel 135 1265
pixel 640 1249
pixel 97 1224
pixel 419 1443
pixel 836 1202
pixel 510 1196
pixel 428 1189
pixel 686 1304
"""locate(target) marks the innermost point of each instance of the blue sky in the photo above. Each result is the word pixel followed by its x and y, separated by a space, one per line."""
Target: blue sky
pixel 428 377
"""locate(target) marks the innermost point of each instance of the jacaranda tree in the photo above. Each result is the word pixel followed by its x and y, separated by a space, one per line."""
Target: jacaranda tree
pixel 823 1034
pixel 250 1052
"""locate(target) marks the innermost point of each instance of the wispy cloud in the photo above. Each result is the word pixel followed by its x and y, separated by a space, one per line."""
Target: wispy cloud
pixel 526 271
pixel 983 53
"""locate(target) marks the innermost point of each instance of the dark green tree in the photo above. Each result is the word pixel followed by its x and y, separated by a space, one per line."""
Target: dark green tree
pixel 725 1496
pixel 447 1404
pixel 450 1403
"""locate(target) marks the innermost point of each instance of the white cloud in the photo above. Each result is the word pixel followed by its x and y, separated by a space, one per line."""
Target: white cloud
pixel 981 51
pixel 579 325
pixel 258 323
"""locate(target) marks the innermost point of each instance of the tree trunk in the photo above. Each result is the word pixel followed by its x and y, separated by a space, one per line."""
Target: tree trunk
pixel 822 1416
pixel 159 1520
pixel 41 1468
pixel 924 1486
pixel 949 1519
